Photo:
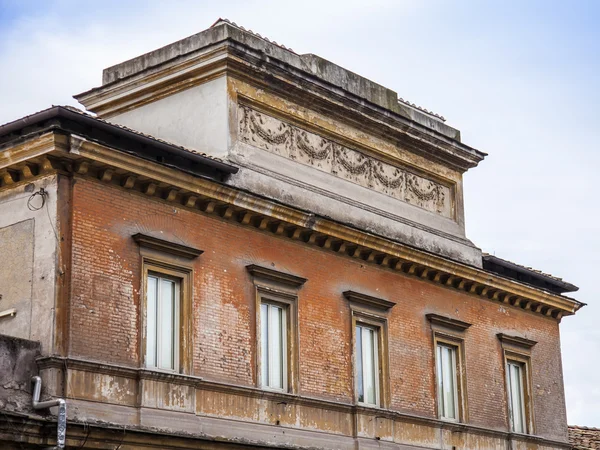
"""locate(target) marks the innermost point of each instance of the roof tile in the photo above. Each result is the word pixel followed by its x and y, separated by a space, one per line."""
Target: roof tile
pixel 527 268
pixel 584 438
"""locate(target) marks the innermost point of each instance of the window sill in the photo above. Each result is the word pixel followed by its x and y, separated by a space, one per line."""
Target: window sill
pixel 274 390
pixel 368 406
pixel 455 421
pixel 145 373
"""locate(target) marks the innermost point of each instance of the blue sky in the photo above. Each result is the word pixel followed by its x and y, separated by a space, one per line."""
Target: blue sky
pixel 518 78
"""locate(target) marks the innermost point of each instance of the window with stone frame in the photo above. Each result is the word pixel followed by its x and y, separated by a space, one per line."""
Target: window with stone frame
pixel 369 317
pixel 166 296
pixel 276 328
pixel 517 373
pixel 449 367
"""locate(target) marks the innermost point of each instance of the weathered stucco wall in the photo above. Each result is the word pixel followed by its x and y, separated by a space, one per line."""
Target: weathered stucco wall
pixel 27 272
pixel 195 118
pixel 106 314
pixel 17 366
pixel 303 157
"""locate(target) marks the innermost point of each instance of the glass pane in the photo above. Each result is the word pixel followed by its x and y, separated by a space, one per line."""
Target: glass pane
pixel 264 344
pixel 448 383
pixel 276 350
pixel 359 365
pixel 151 321
pixel 509 376
pixel 369 365
pixel 516 397
pixel 166 306
pixel 440 383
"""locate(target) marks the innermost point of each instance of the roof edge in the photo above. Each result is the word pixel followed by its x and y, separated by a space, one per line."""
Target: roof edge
pixel 55 112
pixel 559 284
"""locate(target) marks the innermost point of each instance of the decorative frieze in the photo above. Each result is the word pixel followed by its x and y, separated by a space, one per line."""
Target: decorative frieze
pixel 292 142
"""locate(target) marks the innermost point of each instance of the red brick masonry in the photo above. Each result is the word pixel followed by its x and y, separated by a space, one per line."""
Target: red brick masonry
pixel 105 310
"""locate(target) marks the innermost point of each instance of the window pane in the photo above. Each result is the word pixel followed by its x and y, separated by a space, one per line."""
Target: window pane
pixel 151 298
pixel 276 350
pixel 359 365
pixel 166 306
pixel 516 400
pixel 369 365
pixel 440 383
pixel 273 330
pixel 264 344
pixel 448 374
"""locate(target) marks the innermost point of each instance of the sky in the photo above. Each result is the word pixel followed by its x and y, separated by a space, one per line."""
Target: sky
pixel 520 79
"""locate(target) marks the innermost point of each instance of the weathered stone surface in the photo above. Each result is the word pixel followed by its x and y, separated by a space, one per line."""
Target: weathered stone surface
pixel 291 142
pixel 17 366
pixel 324 70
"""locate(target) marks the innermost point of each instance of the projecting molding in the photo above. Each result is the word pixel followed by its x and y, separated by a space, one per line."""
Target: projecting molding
pixel 166 246
pixel 94 160
pixel 516 340
pixel 447 322
pixel 368 300
pixel 274 275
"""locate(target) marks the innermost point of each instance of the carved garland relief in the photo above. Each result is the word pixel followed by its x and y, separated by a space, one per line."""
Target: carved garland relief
pixel 289 141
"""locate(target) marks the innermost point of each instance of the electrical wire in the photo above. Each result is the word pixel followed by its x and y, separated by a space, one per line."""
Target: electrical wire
pixel 42 193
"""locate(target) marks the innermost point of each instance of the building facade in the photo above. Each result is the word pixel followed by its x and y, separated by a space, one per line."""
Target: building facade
pixel 249 248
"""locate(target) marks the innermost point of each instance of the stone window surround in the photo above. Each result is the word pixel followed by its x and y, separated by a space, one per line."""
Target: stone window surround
pixel 517 349
pixel 372 312
pixel 174 261
pixel 451 332
pixel 279 288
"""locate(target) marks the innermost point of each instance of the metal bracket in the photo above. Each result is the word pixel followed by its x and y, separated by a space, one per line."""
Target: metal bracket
pixel 8 313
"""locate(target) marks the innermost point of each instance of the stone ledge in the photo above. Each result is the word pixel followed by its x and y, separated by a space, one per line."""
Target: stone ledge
pixel 288 404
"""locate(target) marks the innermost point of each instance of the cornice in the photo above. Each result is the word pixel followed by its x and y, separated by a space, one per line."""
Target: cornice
pixel 260 272
pixel 368 300
pixel 234 59
pixel 29 158
pixel 447 322
pixel 117 98
pixel 112 167
pixel 516 341
pixel 35 428
pixel 172 248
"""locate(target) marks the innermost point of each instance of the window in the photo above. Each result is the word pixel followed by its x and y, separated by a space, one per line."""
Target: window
pixel 166 298
pixel 447 386
pixel 371 365
pixel 517 365
pixel 274 350
pixel 367 366
pixel 276 328
pixel 449 367
pixel 163 303
pixel 516 396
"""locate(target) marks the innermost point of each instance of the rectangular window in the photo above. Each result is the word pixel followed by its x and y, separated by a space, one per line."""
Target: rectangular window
pixel 447 385
pixel 516 396
pixel 367 365
pixel 273 337
pixel 449 367
pixel 163 297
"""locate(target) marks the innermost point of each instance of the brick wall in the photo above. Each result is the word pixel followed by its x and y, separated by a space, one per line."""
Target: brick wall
pixel 105 310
